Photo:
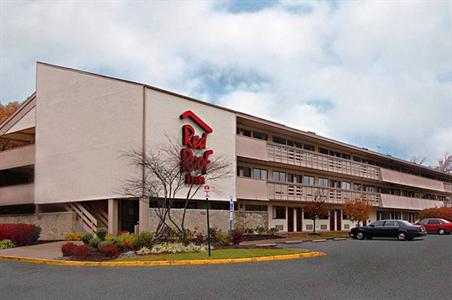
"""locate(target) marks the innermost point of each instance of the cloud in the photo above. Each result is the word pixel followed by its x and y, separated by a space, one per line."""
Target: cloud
pixel 374 74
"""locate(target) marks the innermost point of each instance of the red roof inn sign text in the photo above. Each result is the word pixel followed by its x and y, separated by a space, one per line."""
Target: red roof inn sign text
pixel 192 164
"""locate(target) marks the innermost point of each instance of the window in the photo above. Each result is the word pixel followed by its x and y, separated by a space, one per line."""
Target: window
pixel 377 224
pixel 279 176
pixel 252 207
pixel 243 171
pixel 294 178
pixel 345 185
pixel 294 144
pixel 309 147
pixel 370 188
pixel 357 187
pixel 279 140
pixel 260 135
pixel 323 151
pixel 324 182
pixel 323 227
pixel 356 158
pixel 423 222
pixel 309 180
pixel 260 174
pixel 391 224
pixel 434 222
pixel 345 156
pixel 279 212
pixel 244 132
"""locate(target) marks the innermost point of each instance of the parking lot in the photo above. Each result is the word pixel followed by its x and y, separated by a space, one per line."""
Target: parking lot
pixel 369 269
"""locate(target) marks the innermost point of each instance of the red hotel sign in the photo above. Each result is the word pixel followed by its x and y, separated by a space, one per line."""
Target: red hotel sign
pixel 194 166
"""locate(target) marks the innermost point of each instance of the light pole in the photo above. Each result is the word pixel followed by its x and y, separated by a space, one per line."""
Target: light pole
pixel 206 191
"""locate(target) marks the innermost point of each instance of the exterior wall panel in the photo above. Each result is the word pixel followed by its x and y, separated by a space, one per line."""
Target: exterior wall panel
pixel 411 180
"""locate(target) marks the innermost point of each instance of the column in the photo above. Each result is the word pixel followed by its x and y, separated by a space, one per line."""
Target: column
pixel 112 215
pixel 143 218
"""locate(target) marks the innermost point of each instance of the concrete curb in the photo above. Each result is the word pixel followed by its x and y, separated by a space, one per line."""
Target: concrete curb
pixel 54 262
pixel 300 241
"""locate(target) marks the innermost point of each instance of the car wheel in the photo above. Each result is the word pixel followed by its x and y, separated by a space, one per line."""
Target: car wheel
pixel 401 236
pixel 360 235
pixel 441 231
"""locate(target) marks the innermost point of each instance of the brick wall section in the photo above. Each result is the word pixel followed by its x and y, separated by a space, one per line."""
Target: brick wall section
pixel 195 219
pixel 54 225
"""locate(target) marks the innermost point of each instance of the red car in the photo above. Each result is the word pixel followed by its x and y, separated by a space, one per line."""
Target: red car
pixel 437 225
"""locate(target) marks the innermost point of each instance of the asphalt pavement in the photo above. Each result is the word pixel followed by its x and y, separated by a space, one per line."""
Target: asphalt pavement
pixel 369 269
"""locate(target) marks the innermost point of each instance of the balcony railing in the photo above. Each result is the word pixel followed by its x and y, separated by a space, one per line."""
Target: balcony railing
pixel 17 157
pixel 17 194
pixel 448 187
pixel 306 193
pixel 309 159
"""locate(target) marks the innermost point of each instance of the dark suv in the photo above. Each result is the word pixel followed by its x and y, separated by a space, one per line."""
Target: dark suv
pixel 400 229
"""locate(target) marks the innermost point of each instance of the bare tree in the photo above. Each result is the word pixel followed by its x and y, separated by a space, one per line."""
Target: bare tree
pixel 164 182
pixel 420 160
pixel 445 163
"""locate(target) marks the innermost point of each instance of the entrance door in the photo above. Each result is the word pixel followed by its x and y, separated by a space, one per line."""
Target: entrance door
pixel 128 215
pixel 339 219
pixel 299 220
pixel 332 219
pixel 290 219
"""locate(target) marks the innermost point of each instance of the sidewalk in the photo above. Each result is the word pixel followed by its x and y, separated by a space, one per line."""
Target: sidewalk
pixel 47 251
pixel 299 237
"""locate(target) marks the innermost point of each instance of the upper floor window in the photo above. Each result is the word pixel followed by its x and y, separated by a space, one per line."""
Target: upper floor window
pixel 243 171
pixel 309 147
pixel 324 182
pixel 345 185
pixel 279 140
pixel 260 174
pixel 294 144
pixel 260 135
pixel 294 178
pixel 242 131
pixel 279 176
pixel 357 187
pixel 309 180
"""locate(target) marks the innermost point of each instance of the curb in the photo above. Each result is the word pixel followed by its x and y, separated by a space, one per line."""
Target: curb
pixel 300 241
pixel 54 262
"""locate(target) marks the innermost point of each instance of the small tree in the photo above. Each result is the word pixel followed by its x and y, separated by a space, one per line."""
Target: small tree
pixel 357 210
pixel 317 209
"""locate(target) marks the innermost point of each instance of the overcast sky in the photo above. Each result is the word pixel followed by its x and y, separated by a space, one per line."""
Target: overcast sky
pixel 375 74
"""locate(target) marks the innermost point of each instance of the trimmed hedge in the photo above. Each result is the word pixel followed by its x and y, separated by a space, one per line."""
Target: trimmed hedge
pixel 20 234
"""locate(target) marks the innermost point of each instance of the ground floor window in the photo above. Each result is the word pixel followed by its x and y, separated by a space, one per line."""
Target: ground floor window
pixel 279 212
pixel 17 209
pixel 253 207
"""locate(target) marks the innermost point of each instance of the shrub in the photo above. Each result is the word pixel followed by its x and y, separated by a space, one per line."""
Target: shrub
pixel 101 233
pixel 144 251
pixel 177 248
pixel 237 237
pixel 199 238
pixel 261 229
pixel 145 239
pixel 219 237
pixel 110 237
pixel 6 244
pixel 74 236
pixel 273 230
pixel 109 250
pixel 68 249
pixel 19 234
pixel 86 238
pixel 104 243
pixel 81 252
pixel 94 242
pixel 126 240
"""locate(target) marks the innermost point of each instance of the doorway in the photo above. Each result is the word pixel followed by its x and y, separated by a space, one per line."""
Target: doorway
pixel 299 219
pixel 128 215
pixel 332 219
pixel 290 219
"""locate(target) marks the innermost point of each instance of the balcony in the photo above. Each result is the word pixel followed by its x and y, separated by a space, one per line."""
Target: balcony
pixel 17 194
pixel 17 157
pixel 413 180
pixel 251 189
pixel 319 161
pixel 251 148
pixel 305 193
pixel 400 202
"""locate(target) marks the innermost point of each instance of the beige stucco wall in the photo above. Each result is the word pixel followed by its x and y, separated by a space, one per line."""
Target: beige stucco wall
pixel 411 180
pixel 162 122
pixel 17 157
pixel 84 123
pixel 251 189
pixel 17 194
pixel 27 121
pixel 399 202
pixel 251 148
pixel 54 226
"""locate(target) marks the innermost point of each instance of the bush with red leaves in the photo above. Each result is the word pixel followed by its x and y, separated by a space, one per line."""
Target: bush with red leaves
pixel 237 237
pixel 81 252
pixel 442 212
pixel 110 250
pixel 19 234
pixel 68 249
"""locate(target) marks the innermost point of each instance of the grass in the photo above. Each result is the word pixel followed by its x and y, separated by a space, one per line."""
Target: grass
pixel 217 254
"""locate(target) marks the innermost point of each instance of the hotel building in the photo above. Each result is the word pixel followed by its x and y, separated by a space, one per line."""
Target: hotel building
pixel 68 172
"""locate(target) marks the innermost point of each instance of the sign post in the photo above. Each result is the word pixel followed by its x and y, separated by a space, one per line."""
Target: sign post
pixel 206 191
pixel 231 215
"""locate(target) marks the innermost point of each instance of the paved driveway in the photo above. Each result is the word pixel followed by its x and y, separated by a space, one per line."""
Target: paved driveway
pixel 376 269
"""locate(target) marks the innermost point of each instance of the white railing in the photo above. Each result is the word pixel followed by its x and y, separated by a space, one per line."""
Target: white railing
pixel 88 221
pixel 307 193
pixel 314 160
